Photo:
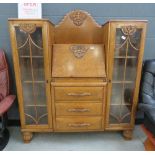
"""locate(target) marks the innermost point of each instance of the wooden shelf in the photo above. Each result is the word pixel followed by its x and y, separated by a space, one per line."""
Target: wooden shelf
pixel 120 104
pixel 122 81
pixel 33 81
pixel 26 56
pixel 35 105
pixel 124 57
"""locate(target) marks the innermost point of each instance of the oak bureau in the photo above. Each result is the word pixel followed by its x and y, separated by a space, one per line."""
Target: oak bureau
pixel 77 76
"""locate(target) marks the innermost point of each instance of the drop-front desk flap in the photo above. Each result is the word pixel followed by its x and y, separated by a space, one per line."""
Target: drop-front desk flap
pixel 78 60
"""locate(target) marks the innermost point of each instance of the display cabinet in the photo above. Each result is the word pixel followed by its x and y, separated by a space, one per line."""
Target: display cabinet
pixel 126 46
pixel 77 76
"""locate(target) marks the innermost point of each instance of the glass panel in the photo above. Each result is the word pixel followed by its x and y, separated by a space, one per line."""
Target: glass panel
pixel 120 52
pixel 28 94
pixel 36 97
pixel 40 94
pixel 25 69
pixel 120 48
pixel 132 52
pixel 42 113
pixel 36 115
pixel 114 114
pixel 37 41
pixel 37 44
pixel 38 69
pixel 116 94
pixel 120 114
pixel 30 48
pixel 22 39
pixel 135 39
pixel 24 51
pixel 131 68
pixel 37 51
pixel 118 71
pixel 124 73
pixel 125 113
pixel 128 93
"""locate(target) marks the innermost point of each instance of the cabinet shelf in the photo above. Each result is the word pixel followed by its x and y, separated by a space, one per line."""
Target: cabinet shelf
pixel 122 81
pixel 27 56
pixel 33 81
pixel 124 57
pixel 35 105
pixel 120 104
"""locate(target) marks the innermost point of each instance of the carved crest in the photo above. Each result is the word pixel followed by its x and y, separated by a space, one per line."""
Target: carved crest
pixel 79 50
pixel 78 17
pixel 129 30
pixel 27 27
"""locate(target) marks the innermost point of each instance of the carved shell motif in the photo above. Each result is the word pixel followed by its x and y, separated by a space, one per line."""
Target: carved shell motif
pixel 78 17
pixel 27 27
pixel 79 50
pixel 129 30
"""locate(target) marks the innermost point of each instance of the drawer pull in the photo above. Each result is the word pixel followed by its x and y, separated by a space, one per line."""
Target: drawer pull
pixel 78 110
pixel 79 124
pixel 79 94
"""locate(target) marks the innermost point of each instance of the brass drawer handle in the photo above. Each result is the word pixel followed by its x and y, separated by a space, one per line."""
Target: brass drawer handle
pixel 78 110
pixel 79 94
pixel 79 124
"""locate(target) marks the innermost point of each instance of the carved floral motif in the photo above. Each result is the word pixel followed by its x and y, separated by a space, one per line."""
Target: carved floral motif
pixel 79 50
pixel 27 27
pixel 78 17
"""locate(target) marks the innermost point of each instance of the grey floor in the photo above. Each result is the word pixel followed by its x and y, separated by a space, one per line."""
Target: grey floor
pixel 94 141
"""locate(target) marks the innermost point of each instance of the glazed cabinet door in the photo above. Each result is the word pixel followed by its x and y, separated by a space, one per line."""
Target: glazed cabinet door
pixel 126 54
pixel 30 54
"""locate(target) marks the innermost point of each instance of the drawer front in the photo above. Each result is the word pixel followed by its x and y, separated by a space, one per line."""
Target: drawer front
pixel 77 109
pixel 79 123
pixel 78 93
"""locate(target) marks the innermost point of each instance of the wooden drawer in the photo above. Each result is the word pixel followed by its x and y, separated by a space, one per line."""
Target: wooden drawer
pixel 78 93
pixel 73 109
pixel 78 123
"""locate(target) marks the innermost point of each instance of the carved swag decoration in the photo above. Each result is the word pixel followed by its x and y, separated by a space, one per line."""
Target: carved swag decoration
pixel 27 27
pixel 129 30
pixel 78 17
pixel 79 50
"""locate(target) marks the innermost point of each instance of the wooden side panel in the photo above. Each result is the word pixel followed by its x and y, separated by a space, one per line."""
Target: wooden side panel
pixel 106 38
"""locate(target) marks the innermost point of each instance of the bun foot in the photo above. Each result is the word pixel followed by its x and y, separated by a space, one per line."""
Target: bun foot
pixel 27 137
pixel 127 134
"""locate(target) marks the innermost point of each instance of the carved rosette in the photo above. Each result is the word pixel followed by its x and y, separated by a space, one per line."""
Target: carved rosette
pixel 78 17
pixel 27 27
pixel 79 50
pixel 128 30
